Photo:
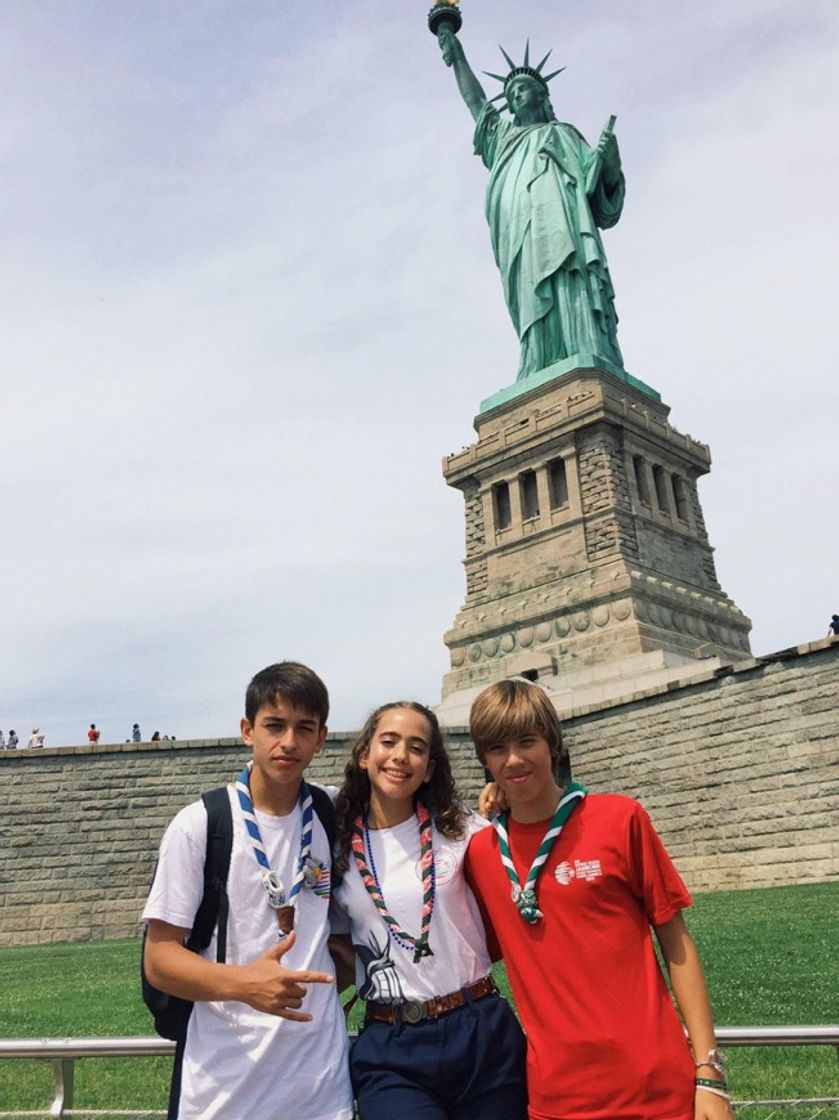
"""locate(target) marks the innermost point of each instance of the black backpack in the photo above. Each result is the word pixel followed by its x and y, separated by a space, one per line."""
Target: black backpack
pixel 171 1013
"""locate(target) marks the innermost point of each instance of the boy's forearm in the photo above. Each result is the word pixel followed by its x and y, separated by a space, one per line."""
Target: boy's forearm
pixel 688 979
pixel 265 983
pixel 174 969
pixel 689 987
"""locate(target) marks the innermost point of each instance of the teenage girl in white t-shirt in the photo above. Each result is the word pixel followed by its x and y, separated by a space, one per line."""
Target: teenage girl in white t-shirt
pixel 438 1041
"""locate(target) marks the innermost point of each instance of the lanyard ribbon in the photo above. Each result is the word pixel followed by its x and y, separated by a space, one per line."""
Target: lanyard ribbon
pixel 363 853
pixel 274 886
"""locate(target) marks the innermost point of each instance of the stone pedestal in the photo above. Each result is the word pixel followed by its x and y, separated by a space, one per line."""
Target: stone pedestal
pixel 585 541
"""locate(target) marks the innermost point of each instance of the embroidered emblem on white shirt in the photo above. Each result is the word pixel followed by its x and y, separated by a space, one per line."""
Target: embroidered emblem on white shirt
pixel 587 869
pixel 445 866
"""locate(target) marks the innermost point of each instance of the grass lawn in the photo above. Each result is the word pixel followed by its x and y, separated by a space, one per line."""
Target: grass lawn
pixel 771 957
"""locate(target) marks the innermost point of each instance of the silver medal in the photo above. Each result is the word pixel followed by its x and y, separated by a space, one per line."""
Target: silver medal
pixel 274 889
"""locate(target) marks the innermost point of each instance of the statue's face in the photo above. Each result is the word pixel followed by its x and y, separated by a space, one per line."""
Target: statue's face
pixel 526 98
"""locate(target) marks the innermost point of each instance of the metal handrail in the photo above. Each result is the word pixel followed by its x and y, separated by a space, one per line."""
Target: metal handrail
pixel 131 1046
pixel 151 1046
pixel 63 1052
pixel 778 1036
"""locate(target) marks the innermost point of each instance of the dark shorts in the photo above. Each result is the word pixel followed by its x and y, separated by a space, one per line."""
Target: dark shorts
pixel 466 1065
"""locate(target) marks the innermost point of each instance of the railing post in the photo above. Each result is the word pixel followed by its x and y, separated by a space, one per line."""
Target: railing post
pixel 63 1072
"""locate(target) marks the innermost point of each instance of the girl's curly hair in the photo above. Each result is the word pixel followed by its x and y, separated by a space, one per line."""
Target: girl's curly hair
pixel 438 794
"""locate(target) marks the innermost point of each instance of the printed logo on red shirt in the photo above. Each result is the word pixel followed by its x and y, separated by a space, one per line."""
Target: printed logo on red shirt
pixel 586 869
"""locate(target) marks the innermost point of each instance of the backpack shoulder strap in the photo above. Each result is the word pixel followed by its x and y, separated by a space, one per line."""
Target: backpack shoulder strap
pixel 322 804
pixel 213 909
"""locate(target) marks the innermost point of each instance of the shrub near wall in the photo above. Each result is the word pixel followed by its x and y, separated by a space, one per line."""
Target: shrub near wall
pixel 740 775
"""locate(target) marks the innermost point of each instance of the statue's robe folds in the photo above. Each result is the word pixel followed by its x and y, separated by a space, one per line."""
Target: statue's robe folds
pixel 544 229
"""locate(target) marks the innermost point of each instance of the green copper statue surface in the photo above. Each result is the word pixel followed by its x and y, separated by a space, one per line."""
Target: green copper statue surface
pixel 548 193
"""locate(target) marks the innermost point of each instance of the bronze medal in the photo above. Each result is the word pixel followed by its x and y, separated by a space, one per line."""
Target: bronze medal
pixel 285 919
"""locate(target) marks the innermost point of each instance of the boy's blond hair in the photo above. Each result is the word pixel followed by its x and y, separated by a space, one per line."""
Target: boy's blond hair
pixel 509 709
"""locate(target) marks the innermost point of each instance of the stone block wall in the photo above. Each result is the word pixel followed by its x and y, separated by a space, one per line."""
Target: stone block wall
pixel 740 774
pixel 610 530
pixel 80 826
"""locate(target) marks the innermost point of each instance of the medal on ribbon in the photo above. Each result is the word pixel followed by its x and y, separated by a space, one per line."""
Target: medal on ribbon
pixel 524 897
pixel 308 868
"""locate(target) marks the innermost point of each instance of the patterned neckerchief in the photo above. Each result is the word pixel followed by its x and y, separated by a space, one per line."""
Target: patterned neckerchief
pixel 525 897
pixel 274 887
pixel 363 853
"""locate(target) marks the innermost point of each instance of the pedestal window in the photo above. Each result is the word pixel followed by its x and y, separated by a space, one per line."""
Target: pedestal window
pixel 558 484
pixel 501 512
pixel 660 483
pixel 641 482
pixel 529 492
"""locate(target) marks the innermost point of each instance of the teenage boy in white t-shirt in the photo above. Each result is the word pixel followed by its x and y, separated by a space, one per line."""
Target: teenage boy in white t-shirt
pixel 266 1037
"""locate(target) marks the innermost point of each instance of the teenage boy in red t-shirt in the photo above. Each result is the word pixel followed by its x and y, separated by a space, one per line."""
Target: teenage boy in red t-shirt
pixel 570 885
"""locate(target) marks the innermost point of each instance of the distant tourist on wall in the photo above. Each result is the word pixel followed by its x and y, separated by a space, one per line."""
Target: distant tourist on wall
pixel 833 628
pixel 93 734
pixel 36 739
pixel 135 733
pixel 2 741
pixel 13 740
pixel 156 737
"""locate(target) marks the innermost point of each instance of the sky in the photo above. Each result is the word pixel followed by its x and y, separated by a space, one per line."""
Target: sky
pixel 250 304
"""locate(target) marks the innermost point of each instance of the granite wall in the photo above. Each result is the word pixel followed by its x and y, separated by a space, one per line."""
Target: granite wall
pixel 740 774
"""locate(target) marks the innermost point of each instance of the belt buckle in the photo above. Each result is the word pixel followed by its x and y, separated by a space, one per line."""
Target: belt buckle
pixel 413 1011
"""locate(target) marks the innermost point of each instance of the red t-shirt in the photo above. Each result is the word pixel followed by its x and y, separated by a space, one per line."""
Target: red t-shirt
pixel 93 735
pixel 604 1039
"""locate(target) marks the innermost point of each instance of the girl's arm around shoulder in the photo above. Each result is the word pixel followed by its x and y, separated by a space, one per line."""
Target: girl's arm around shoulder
pixel 474 824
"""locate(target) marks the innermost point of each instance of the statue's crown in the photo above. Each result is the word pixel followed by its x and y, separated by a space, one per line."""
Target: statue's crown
pixel 534 72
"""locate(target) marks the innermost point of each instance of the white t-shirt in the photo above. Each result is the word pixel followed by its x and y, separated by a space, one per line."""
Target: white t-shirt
pixel 242 1064
pixel 385 971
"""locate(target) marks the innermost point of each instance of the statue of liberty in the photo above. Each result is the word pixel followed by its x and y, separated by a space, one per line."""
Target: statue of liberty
pixel 548 193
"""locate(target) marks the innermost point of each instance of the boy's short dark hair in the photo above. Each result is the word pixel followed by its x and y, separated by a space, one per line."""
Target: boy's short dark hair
pixel 292 682
pixel 509 709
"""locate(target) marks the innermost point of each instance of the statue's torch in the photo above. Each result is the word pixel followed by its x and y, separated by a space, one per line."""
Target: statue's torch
pixel 445 13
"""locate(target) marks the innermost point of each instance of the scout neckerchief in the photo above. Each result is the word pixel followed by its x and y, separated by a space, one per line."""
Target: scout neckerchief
pixel 525 897
pixel 308 868
pixel 361 841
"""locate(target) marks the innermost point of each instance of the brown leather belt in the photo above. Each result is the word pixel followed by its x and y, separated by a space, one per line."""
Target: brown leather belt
pixel 415 1010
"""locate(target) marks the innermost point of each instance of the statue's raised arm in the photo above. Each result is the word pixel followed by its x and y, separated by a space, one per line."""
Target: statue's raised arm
pixel 453 55
pixel 549 194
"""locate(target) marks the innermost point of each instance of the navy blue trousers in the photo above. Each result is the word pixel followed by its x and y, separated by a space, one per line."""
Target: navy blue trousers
pixel 466 1065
